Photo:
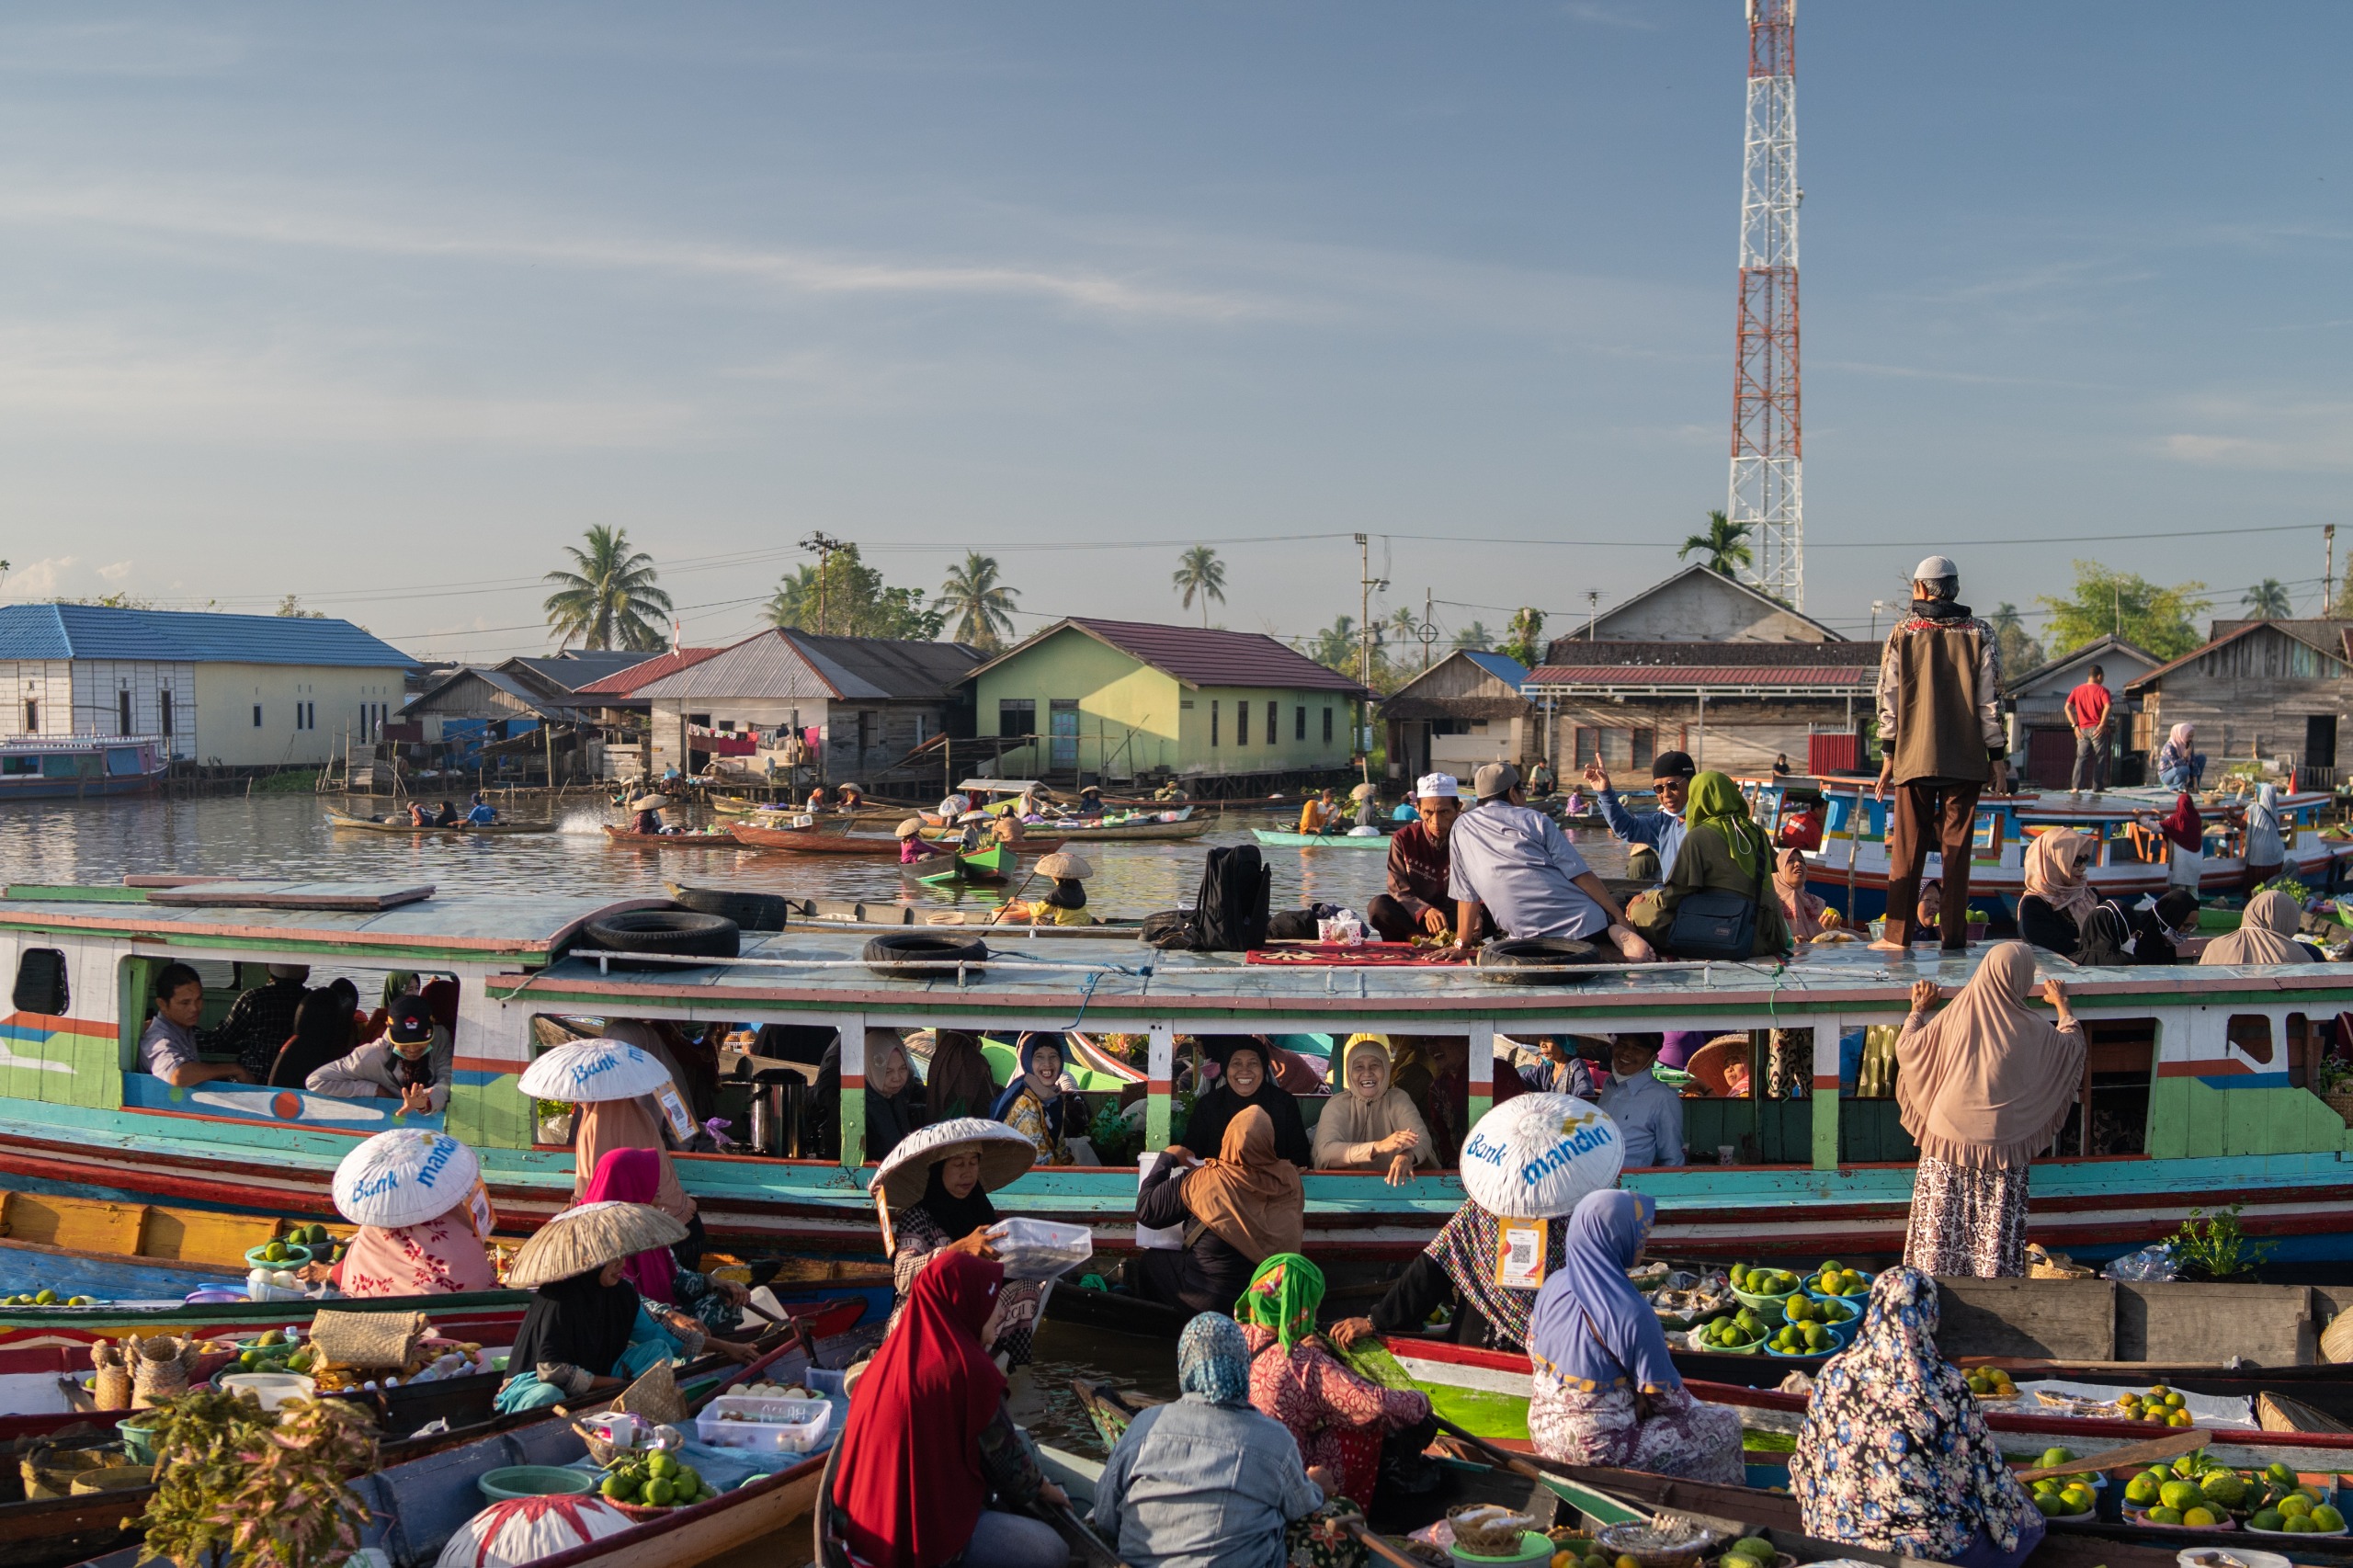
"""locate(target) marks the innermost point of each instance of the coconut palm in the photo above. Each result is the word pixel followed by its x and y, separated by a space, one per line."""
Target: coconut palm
pixel 1198 571
pixel 2267 600
pixel 605 602
pixel 1475 636
pixel 1724 545
pixel 979 605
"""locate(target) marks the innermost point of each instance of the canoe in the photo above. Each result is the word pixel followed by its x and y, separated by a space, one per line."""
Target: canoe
pixel 492 830
pixel 1136 833
pixel 993 863
pixel 626 838
pixel 823 840
pixel 1319 840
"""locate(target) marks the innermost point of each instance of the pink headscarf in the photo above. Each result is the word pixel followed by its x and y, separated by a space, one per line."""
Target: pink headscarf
pixel 633 1176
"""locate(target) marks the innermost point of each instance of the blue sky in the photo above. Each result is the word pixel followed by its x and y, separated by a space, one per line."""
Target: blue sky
pixel 383 309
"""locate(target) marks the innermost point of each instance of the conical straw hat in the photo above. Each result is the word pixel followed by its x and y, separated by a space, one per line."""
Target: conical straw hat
pixel 1364 792
pixel 650 804
pixel 1063 866
pixel 1006 1155
pixel 590 1237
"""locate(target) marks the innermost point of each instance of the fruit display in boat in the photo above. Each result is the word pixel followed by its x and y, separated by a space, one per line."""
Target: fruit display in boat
pixel 1991 1382
pixel 655 1481
pixel 1762 1281
pixel 1736 1330
pixel 1835 1278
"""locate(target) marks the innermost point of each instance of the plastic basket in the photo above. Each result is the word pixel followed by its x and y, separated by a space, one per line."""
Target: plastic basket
pixel 1856 1300
pixel 1766 1307
pixel 770 1425
pixel 1039 1249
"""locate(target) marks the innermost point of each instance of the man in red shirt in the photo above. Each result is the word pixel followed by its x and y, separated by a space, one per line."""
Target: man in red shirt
pixel 2088 707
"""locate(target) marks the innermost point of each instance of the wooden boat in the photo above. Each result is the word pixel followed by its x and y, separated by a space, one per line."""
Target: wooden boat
pixel 991 864
pixel 628 838
pixel 1151 829
pixel 824 839
pixel 463 830
pixel 1319 840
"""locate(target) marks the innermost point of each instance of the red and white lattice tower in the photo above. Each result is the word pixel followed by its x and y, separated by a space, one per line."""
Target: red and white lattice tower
pixel 1767 442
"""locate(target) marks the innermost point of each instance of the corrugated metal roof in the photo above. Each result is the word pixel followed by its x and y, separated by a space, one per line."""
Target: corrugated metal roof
pixel 1502 666
pixel 443 694
pixel 574 668
pixel 1696 677
pixel 101 632
pixel 1576 650
pixel 1203 656
pixel 796 664
pixel 646 670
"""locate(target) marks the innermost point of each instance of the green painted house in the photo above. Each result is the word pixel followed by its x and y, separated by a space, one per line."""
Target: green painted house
pixel 1123 700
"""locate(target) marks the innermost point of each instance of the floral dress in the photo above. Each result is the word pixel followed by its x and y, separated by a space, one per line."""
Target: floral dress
pixel 1337 1417
pixel 1666 1433
pixel 1967 1221
pixel 1028 1117
pixel 919 1236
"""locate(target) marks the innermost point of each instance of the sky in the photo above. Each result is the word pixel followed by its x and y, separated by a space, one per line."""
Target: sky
pixel 384 307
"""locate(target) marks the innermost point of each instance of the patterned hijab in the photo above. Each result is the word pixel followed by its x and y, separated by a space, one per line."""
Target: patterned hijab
pixel 1591 1329
pixel 1895 1454
pixel 1466 1250
pixel 1213 1361
pixel 1716 802
pixel 1283 1295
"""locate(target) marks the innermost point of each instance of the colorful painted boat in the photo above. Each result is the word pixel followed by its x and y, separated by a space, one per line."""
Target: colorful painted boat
pixel 2200 1076
pixel 994 864
pixel 828 838
pixel 630 838
pixel 345 821
pixel 77 767
pixel 1319 840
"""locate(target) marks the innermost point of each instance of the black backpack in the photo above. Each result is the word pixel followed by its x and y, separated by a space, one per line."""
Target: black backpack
pixel 1230 915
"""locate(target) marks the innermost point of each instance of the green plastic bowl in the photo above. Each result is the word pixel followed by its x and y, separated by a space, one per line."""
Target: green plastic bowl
pixel 534 1480
pixel 1535 1548
pixel 1766 1307
pixel 138 1439
pixel 297 1257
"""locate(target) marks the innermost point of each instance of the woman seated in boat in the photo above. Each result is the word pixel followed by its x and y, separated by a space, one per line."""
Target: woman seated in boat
pixel 634 1176
pixel 601 1126
pixel 1066 904
pixel 1234 1212
pixel 1372 1126
pixel 928 1439
pixel 1339 1420
pixel 1208 1479
pixel 397 1252
pixel 2058 912
pixel 646 814
pixel 1724 852
pixel 914 847
pixel 1005 827
pixel 2162 934
pixel 1806 913
pixel 2266 935
pixel 957 1081
pixel 1895 1454
pixel 1606 1390
pixel 587 1330
pixel 323 1035
pixel 413 1063
pixel 1042 1104
pixel 894 1097
pixel 936 1185
pixel 1244 1081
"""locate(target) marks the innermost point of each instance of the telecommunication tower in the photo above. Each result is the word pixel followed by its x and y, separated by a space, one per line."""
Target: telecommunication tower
pixel 1767 441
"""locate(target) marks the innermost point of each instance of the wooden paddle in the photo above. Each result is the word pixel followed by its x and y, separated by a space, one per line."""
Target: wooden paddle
pixel 1380 1547
pixel 2173 1444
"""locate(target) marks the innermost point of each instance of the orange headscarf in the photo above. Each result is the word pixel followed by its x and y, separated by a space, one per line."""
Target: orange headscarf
pixel 1246 1196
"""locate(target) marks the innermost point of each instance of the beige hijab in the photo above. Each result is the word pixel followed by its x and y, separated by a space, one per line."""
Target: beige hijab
pixel 1246 1196
pixel 1350 1116
pixel 1986 1083
pixel 2055 873
pixel 606 1125
pixel 2271 919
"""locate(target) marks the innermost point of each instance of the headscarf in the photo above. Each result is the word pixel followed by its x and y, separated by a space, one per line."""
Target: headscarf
pixel 2185 827
pixel 1716 802
pixel 1895 1454
pixel 1590 1328
pixel 581 1321
pixel 2264 936
pixel 960 1217
pixel 441 996
pixel 1466 1250
pixel 2182 737
pixel 400 983
pixel 1213 1361
pixel 433 1258
pixel 1986 1083
pixel 1215 1107
pixel 1351 1117
pixel 2263 847
pixel 322 1034
pixel 890 1118
pixel 1284 1293
pixel 634 1176
pixel 909 1474
pixel 1803 908
pixel 607 1125
pixel 958 1082
pixel 1047 1093
pixel 1247 1197
pixel 2055 873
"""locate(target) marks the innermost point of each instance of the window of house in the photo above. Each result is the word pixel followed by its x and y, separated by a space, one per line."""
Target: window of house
pixel 32 716
pixel 1588 745
pixel 164 712
pixel 1016 716
pixel 1213 721
pixel 1274 730
pixel 256 715
pixel 122 712
pixel 865 728
pixel 1644 748
pixel 1242 723
pixel 1299 724
pixel 1327 726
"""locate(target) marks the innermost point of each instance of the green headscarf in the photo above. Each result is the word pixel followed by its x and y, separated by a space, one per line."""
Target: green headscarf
pixel 1283 1296
pixel 1715 801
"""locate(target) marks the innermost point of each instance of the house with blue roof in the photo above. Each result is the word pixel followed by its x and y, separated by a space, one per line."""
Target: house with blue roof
pixel 1463 711
pixel 229 690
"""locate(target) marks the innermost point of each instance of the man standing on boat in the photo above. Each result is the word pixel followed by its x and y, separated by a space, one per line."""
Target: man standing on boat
pixel 1941 739
pixel 1515 864
pixel 1662 831
pixel 2088 707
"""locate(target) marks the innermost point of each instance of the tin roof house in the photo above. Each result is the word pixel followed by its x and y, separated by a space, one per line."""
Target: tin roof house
pixel 1463 711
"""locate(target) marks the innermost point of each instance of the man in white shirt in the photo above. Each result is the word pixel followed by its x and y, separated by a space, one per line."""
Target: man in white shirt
pixel 1649 1115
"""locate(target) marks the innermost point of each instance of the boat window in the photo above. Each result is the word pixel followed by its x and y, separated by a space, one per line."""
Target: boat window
pixel 20 766
pixel 121 760
pixel 2306 1046
pixel 2251 1032
pixel 2118 1065
pixel 70 766
pixel 40 982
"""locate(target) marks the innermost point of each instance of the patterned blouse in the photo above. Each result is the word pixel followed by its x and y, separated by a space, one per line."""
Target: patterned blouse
pixel 1337 1417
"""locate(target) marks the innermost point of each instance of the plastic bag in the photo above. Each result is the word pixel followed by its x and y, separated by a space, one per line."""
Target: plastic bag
pixel 2151 1263
pixel 1039 1249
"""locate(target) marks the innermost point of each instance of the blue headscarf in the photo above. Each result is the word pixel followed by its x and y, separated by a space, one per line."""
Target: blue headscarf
pixel 1213 1361
pixel 1023 1050
pixel 1590 1328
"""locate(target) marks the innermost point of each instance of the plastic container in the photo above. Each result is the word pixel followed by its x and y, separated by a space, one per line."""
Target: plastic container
pixel 297 1257
pixel 1535 1547
pixel 1854 1301
pixel 1039 1249
pixel 769 1425
pixel 533 1481
pixel 1766 1307
pixel 214 1296
pixel 273 1389
pixel 138 1439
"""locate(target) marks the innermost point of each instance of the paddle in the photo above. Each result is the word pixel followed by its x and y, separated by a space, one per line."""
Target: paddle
pixel 1379 1548
pixel 2173 1444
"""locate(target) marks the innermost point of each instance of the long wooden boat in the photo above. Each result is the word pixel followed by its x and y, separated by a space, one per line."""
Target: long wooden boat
pixel 629 838
pixel 1319 840
pixel 1180 824
pixel 993 863
pixel 463 830
pixel 823 839
pixel 2200 1076
pixel 75 768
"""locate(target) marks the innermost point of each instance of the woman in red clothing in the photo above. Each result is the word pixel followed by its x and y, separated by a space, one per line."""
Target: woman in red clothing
pixel 1338 1419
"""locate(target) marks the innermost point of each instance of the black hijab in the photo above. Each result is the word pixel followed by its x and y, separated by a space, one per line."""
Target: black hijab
pixel 1068 895
pixel 582 1321
pixel 322 1035
pixel 890 1118
pixel 1205 1128
pixel 960 1217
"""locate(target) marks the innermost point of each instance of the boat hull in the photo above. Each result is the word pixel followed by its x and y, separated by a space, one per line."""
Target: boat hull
pixel 813 841
pixel 344 821
pixel 1319 840
pixel 628 838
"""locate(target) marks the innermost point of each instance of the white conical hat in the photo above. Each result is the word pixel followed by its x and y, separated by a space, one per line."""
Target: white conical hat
pixel 404 1177
pixel 1004 1154
pixel 1535 1156
pixel 581 1071
pixel 516 1530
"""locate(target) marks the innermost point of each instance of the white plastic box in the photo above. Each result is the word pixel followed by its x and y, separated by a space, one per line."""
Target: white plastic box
pixel 774 1425
pixel 1039 1249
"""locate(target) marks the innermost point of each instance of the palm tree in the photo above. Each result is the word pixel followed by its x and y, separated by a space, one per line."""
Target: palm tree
pixel 1725 545
pixel 605 602
pixel 2267 600
pixel 981 607
pixel 1475 636
pixel 1198 571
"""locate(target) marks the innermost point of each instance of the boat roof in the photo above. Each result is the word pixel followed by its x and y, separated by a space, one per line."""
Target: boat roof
pixel 2106 805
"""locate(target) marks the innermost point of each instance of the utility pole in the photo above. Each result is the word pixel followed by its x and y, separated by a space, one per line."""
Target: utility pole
pixel 1428 632
pixel 1592 611
pixel 1366 584
pixel 2116 592
pixel 2328 570
pixel 824 545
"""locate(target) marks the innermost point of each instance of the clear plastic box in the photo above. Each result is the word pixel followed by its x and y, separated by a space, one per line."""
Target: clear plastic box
pixel 776 1426
pixel 1039 1249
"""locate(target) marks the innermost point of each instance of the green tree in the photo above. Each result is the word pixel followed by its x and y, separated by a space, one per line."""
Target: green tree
pixel 853 600
pixel 2267 600
pixel 2020 652
pixel 606 599
pixel 1199 572
pixel 2162 620
pixel 1475 636
pixel 1723 548
pixel 1335 647
pixel 1523 636
pixel 979 606
pixel 292 608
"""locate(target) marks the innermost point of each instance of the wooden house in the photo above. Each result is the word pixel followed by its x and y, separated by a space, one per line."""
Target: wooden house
pixel 2038 698
pixel 2270 691
pixel 1700 603
pixel 1463 711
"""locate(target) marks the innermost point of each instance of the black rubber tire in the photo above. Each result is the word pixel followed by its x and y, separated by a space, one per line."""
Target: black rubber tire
pixel 671 933
pixel 752 910
pixel 1537 961
pixel 889 955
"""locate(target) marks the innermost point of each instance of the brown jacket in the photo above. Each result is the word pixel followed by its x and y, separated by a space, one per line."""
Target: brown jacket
pixel 1939 701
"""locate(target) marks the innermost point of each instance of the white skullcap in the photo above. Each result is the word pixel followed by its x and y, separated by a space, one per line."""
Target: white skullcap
pixel 1442 785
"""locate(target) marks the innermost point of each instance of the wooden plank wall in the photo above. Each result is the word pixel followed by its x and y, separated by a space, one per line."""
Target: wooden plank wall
pixel 2103 1319
pixel 2071 1320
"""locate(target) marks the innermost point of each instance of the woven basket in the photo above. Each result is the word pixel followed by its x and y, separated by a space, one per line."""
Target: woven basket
pixel 113 1478
pixel 654 1396
pixel 366 1341
pixel 50 1472
pixel 2341 1102
pixel 2042 1265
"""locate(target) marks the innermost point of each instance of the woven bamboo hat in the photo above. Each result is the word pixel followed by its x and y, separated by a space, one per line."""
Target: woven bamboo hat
pixel 1004 1155
pixel 650 804
pixel 1711 1063
pixel 909 829
pixel 590 1237
pixel 1065 867
pixel 1364 792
